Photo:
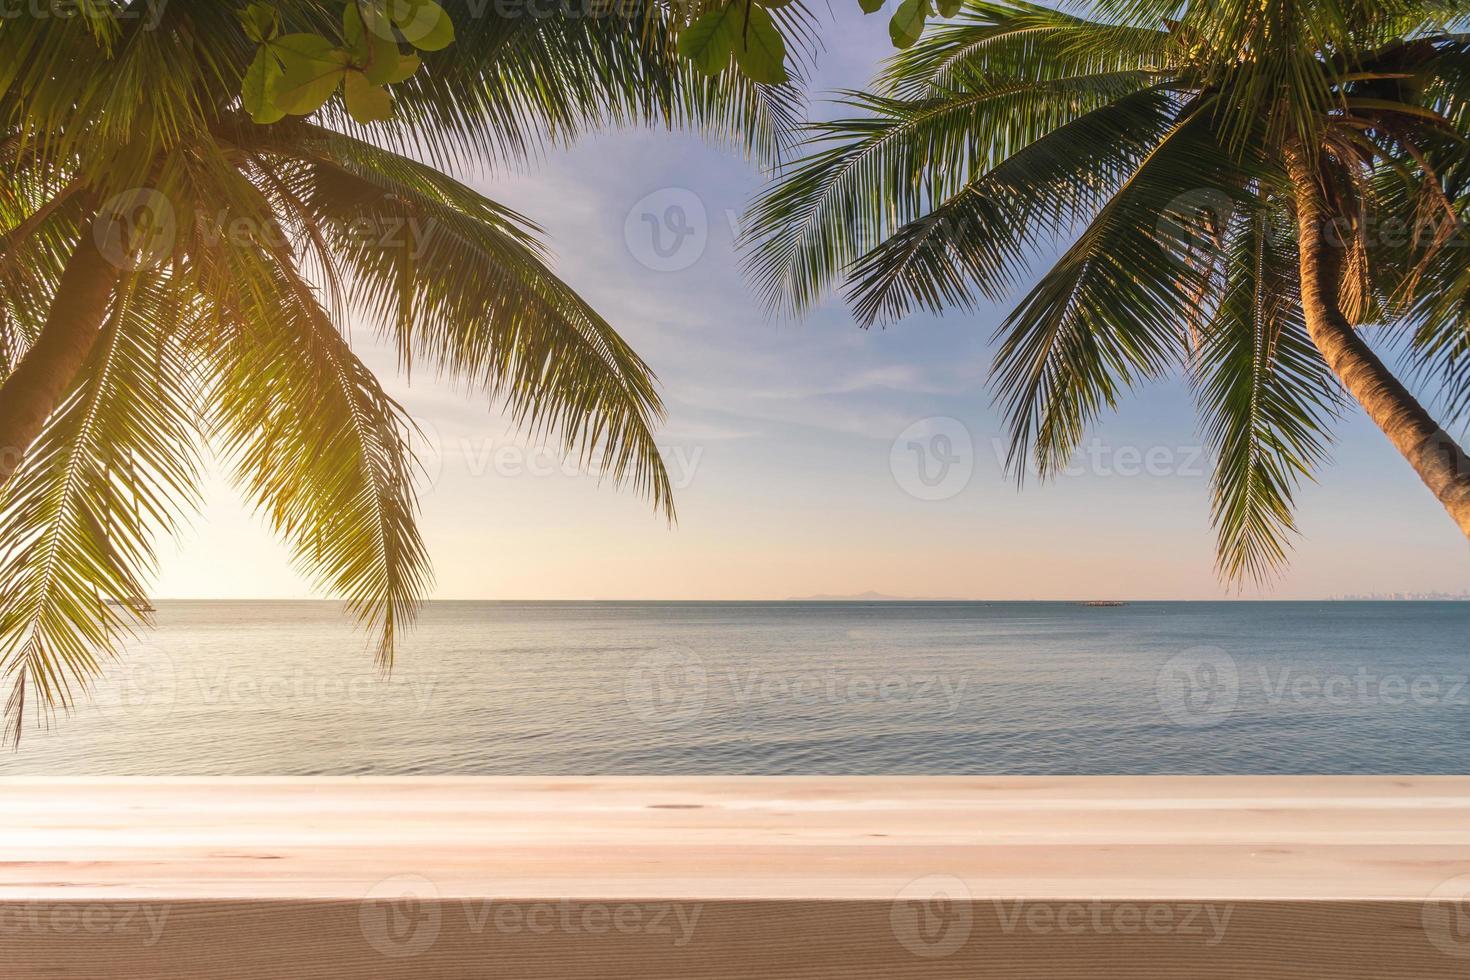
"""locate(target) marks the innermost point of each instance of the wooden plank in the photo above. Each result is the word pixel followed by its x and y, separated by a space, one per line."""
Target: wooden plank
pixel 1260 877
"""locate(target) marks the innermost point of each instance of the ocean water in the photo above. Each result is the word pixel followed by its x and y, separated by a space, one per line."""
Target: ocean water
pixel 817 688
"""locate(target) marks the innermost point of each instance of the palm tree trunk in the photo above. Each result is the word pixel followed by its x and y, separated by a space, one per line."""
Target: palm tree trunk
pixel 1432 452
pixel 35 388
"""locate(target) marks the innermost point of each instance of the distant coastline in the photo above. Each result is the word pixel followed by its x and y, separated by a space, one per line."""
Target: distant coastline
pixel 1404 597
pixel 874 597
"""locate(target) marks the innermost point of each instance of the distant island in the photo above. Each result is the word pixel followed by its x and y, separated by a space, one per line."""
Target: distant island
pixel 872 597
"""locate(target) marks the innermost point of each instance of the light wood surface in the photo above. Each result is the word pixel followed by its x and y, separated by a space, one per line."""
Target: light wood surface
pixel 714 877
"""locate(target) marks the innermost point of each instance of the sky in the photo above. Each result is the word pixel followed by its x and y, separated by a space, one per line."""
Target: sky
pixel 814 457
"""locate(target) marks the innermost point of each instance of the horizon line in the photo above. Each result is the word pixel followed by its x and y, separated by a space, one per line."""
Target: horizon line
pixel 849 600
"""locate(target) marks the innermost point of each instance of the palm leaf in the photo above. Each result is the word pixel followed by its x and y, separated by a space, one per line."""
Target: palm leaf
pixel 1021 41
pixel 869 174
pixel 513 83
pixel 115 466
pixel 313 441
pixel 1267 400
pixel 979 239
pixel 1109 313
pixel 462 283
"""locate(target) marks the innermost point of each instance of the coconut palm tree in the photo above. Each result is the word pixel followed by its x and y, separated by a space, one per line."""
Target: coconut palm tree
pixel 1239 188
pixel 178 278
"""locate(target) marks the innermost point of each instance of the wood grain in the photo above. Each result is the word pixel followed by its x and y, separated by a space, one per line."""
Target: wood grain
pixel 713 877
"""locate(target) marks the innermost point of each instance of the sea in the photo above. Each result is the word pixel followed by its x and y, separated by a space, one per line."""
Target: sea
pixel 600 688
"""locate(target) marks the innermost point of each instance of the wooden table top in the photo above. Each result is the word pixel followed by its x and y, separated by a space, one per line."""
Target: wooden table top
pixel 731 838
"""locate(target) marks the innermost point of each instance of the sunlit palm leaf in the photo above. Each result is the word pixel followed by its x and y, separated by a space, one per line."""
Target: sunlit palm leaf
pixel 116 465
pixel 462 284
pixel 314 441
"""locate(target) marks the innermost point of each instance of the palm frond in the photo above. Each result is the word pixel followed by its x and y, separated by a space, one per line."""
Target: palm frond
pixel 312 439
pixel 39 225
pixel 513 83
pixel 1266 397
pixel 1024 42
pixel 115 465
pixel 980 239
pixel 870 174
pixel 461 283
pixel 1109 313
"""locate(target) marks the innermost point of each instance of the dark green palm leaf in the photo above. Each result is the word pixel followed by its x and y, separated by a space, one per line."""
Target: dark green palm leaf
pixel 1267 399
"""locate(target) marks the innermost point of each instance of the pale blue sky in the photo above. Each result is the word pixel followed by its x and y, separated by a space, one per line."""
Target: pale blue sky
pixel 783 436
